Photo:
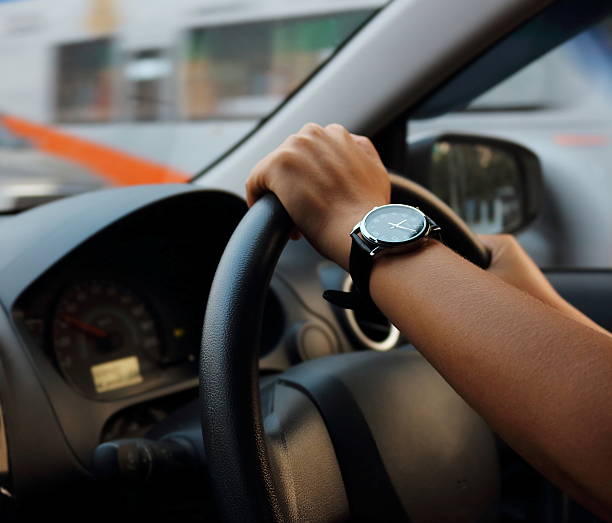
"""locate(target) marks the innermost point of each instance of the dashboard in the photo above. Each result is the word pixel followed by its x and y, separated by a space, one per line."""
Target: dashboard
pixel 121 314
pixel 103 299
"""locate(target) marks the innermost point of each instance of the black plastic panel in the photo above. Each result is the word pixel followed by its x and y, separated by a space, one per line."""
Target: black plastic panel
pixel 52 428
pixel 590 291
pixel 150 237
pixel 409 448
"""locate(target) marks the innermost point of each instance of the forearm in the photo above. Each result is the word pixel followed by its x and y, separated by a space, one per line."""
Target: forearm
pixel 537 375
pixel 513 265
pixel 540 379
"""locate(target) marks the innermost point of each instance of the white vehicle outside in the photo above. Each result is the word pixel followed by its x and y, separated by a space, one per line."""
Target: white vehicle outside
pixel 176 87
pixel 126 98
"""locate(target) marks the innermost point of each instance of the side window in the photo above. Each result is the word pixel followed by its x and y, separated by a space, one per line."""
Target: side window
pixel 581 67
pixel 245 70
pixel 560 107
pixel 85 82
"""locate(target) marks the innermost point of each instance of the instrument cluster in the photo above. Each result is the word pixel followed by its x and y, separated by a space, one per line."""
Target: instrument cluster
pixel 106 337
pixel 122 313
pixel 110 337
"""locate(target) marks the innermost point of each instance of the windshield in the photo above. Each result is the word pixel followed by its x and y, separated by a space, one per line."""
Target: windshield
pixel 97 93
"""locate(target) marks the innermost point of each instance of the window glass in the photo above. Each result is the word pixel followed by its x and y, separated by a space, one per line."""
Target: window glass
pixel 560 107
pixel 99 93
pixel 479 182
pixel 245 70
pixel 85 82
pixel 581 66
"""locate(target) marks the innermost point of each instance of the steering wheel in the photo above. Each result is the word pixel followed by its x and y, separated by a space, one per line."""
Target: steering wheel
pixel 368 436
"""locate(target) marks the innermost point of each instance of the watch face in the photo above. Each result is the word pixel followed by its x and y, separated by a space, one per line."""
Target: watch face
pixel 393 224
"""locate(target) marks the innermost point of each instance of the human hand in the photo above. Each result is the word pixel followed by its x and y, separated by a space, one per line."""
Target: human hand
pixel 511 263
pixel 327 179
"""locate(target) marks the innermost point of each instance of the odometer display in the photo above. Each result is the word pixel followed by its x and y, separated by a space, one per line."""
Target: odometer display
pixel 105 337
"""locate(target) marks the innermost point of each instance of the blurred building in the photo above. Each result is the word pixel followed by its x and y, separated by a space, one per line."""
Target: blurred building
pixel 173 83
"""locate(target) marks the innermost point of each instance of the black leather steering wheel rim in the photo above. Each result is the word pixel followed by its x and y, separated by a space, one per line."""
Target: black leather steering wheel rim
pixel 237 459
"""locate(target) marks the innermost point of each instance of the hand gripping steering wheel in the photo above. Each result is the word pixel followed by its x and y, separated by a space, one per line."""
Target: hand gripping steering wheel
pixel 364 436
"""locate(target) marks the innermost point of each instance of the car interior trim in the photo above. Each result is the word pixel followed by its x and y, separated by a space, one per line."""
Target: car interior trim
pixel 389 342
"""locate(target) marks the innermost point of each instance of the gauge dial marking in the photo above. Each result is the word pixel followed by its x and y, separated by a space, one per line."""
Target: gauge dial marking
pixel 87 328
pixel 98 322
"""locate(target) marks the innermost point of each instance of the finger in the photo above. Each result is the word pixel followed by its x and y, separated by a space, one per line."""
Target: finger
pixel 337 131
pixel 366 145
pixel 256 186
pixel 498 244
pixel 489 241
pixel 312 129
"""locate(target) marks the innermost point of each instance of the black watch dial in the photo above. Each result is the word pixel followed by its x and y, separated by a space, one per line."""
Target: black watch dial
pixel 393 224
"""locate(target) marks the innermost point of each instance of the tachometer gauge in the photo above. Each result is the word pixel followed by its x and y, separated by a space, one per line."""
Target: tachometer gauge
pixel 105 337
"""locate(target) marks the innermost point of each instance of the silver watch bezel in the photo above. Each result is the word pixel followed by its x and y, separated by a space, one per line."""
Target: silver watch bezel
pixel 376 242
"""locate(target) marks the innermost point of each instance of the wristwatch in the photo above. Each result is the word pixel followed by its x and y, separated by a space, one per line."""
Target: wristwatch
pixel 388 229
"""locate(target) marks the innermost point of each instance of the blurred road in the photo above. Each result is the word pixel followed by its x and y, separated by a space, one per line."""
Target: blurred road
pixel 29 177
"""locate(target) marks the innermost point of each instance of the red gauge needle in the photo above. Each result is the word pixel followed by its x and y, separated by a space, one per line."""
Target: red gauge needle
pixel 85 327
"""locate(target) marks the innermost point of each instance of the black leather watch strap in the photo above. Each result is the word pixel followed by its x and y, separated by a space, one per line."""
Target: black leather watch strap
pixel 435 231
pixel 361 261
pixel 360 265
pixel 360 268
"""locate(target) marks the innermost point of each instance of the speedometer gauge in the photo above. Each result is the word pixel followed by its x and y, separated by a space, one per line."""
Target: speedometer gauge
pixel 105 337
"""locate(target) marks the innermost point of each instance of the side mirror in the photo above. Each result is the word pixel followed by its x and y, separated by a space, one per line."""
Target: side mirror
pixel 494 185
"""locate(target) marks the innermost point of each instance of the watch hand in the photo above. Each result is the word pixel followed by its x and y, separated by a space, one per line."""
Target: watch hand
pixel 398 226
pixel 85 327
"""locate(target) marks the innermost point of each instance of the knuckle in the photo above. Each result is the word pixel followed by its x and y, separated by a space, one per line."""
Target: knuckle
pixel 255 174
pixel 367 141
pixel 364 141
pixel 252 177
pixel 312 128
pixel 336 127
pixel 285 157
pixel 301 140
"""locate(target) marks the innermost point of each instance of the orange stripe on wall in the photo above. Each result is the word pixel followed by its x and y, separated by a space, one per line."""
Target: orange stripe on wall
pixel 117 167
